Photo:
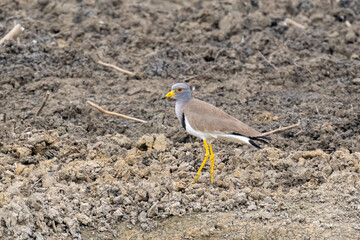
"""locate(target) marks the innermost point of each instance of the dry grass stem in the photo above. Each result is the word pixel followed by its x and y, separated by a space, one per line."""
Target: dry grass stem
pixel 37 181
pixel 267 61
pixel 288 21
pixel 117 68
pixel 13 34
pixel 282 129
pixel 54 226
pixel 113 113
pixel 43 103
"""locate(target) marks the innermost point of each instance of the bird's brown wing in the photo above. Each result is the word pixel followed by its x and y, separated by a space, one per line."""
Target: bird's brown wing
pixel 205 117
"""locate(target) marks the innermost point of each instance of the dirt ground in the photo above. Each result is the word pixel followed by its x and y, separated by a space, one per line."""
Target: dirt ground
pixel 74 173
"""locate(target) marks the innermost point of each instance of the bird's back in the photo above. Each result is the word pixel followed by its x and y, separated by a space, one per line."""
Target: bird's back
pixel 205 117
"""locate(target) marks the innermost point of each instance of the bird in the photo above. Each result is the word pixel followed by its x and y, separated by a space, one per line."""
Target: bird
pixel 208 122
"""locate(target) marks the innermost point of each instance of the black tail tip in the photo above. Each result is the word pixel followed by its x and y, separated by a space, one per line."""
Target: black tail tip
pixel 254 144
pixel 264 137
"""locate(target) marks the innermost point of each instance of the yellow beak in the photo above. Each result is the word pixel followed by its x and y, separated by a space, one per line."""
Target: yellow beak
pixel 170 94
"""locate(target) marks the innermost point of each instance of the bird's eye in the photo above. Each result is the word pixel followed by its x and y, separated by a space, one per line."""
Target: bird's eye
pixel 179 89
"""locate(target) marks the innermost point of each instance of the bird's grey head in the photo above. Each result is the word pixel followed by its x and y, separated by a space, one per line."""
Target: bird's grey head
pixel 181 92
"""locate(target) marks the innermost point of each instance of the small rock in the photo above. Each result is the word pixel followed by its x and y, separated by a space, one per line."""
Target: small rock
pixel 350 36
pixel 224 196
pixel 118 213
pixel 252 206
pixel 354 56
pixel 62 43
pixel 145 143
pixel 298 218
pixel 142 217
pixel 246 190
pixel 19 169
pixel 304 174
pixel 175 209
pixel 240 198
pixel 141 195
pixel 160 143
pixel 220 226
pixel 131 156
pixel 197 207
pixel 269 200
pixel 121 140
pixel 145 227
pixel 83 219
pixel 84 207
pixel 53 213
pixel 317 16
pixel 3 199
pixel 327 170
pixel 21 152
pixel 265 215
pixel 179 186
pixel 356 81
pixel 47 181
pixel 199 192
pixel 256 195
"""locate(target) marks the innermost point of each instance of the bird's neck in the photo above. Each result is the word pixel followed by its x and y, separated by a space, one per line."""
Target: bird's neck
pixel 179 107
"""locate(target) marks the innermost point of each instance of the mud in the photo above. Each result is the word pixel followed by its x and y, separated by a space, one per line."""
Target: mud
pixel 73 172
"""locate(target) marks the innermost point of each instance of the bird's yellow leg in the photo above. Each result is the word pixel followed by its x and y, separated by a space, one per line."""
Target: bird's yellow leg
pixel 212 163
pixel 202 165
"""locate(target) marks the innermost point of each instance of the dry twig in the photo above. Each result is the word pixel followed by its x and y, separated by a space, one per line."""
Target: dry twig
pixel 14 33
pixel 292 22
pixel 113 113
pixel 267 61
pixel 298 133
pixel 282 129
pixel 43 103
pixel 37 181
pixel 54 226
pixel 132 74
pixel 4 117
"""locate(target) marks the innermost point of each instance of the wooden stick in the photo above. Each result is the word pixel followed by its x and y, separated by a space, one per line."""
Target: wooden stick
pixel 14 33
pixel 292 22
pixel 43 103
pixel 267 61
pixel 113 113
pixel 282 129
pixel 117 68
pixel 4 117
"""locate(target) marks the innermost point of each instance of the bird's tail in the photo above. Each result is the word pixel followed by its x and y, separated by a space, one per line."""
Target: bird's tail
pixel 262 139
